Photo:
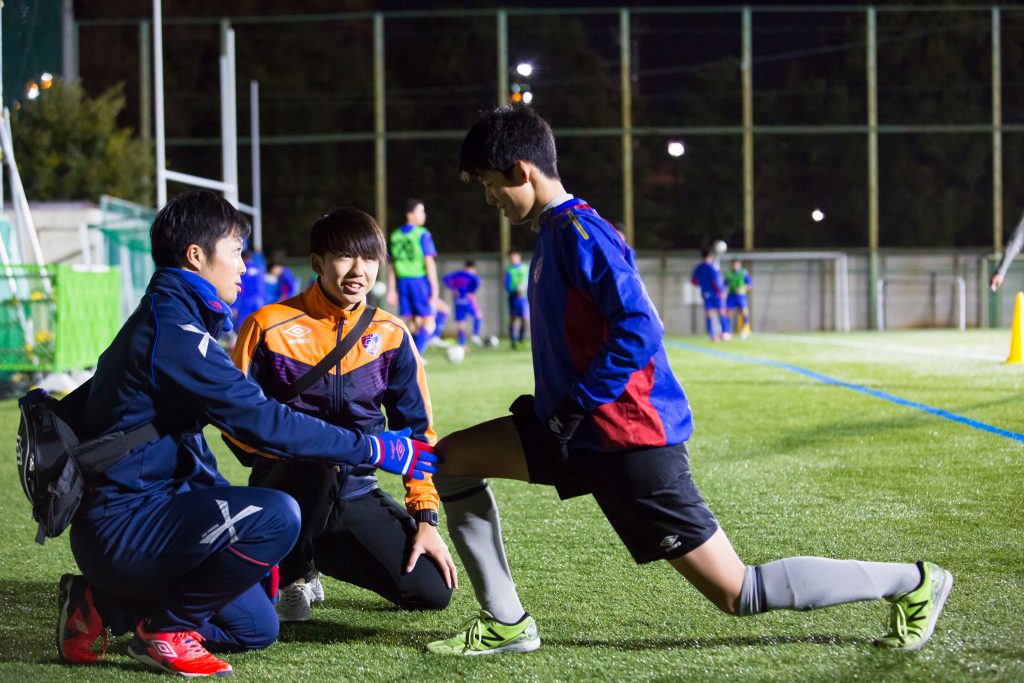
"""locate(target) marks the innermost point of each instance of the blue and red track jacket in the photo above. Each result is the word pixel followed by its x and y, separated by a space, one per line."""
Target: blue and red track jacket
pixel 165 365
pixel 598 338
pixel 279 343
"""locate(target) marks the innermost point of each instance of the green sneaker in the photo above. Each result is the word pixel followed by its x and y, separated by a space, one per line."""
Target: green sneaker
pixel 914 614
pixel 485 635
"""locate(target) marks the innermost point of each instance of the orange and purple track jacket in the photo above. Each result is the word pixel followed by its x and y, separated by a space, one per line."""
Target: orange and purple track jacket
pixel 280 342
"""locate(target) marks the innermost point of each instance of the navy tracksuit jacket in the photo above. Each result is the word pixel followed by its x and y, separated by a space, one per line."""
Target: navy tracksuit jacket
pixel 162 535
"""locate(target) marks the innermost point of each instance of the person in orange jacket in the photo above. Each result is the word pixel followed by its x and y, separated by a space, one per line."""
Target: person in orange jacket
pixel 351 530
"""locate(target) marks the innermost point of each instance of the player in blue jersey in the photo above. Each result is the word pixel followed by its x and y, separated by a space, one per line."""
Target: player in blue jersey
pixel 610 419
pixel 464 284
pixel 280 281
pixel 167 548
pixel 412 277
pixel 254 288
pixel 515 286
pixel 712 289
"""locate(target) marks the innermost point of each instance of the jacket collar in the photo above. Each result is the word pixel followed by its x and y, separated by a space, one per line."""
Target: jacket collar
pixel 316 305
pixel 200 293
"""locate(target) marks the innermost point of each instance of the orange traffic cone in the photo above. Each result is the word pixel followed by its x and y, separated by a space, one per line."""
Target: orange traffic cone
pixel 1015 332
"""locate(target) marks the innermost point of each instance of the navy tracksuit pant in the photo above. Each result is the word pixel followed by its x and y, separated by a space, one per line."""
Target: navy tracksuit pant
pixel 190 562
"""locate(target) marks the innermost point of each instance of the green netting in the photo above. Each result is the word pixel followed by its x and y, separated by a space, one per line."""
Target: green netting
pixel 56 318
pixel 125 227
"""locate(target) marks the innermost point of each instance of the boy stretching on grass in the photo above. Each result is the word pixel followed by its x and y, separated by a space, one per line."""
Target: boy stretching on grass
pixel 168 549
pixel 609 418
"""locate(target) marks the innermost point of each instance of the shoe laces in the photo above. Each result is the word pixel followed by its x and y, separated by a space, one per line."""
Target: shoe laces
pixel 297 593
pixel 899 622
pixel 192 644
pixel 474 631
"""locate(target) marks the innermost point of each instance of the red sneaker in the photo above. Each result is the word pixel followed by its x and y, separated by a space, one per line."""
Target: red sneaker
pixel 177 653
pixel 80 625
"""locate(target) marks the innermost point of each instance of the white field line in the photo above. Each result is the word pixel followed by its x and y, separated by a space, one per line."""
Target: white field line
pixel 822 341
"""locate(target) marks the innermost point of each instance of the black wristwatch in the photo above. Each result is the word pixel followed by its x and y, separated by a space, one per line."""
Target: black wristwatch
pixel 428 516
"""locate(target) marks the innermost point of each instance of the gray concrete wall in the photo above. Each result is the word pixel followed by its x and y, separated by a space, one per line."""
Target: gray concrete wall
pixel 799 295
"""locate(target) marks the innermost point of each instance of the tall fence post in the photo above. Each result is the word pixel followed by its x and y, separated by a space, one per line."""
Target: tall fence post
pixel 874 312
pixel 747 69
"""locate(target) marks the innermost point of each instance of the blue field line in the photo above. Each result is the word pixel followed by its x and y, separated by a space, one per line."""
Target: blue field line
pixel 938 412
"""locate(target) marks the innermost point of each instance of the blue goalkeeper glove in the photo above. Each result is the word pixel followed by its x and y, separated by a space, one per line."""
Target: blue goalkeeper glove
pixel 397 453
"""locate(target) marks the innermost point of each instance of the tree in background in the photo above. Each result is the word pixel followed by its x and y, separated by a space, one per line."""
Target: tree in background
pixel 69 146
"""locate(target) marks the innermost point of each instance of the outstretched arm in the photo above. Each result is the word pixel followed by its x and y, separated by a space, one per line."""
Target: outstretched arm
pixel 1013 248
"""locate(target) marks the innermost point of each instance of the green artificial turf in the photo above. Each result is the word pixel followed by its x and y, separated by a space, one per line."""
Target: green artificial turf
pixel 790 465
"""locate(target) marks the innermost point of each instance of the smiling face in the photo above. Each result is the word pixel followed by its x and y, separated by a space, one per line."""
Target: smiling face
pixel 223 268
pixel 344 278
pixel 514 196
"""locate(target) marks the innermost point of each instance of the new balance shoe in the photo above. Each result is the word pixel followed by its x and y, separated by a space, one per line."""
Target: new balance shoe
pixel 79 625
pixel 485 635
pixel 317 589
pixel 176 653
pixel 913 615
pixel 293 603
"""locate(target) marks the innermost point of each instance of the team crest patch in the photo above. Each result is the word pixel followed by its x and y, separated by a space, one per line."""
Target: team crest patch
pixel 372 343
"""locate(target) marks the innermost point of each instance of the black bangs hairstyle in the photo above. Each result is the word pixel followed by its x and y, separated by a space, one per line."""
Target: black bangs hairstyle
pixel 411 203
pixel 503 137
pixel 199 217
pixel 348 231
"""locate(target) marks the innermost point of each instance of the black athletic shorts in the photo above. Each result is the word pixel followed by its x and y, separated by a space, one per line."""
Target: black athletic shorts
pixel 647 495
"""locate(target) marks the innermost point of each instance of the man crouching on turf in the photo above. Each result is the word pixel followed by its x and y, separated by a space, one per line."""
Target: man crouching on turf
pixel 168 549
pixel 610 419
pixel 351 530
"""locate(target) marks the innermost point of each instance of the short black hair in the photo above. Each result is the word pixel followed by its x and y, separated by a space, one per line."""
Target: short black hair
pixel 470 263
pixel 348 231
pixel 411 203
pixel 504 136
pixel 705 252
pixel 198 217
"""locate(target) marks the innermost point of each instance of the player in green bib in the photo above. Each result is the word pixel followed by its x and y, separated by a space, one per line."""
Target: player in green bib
pixel 515 285
pixel 412 278
pixel 737 283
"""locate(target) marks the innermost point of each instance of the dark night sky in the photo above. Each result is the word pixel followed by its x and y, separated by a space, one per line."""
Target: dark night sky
pixel 808 70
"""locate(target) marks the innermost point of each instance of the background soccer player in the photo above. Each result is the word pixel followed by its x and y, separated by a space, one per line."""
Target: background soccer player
pixel 412 277
pixel 609 418
pixel 708 277
pixel 464 284
pixel 738 285
pixel 351 530
pixel 515 286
